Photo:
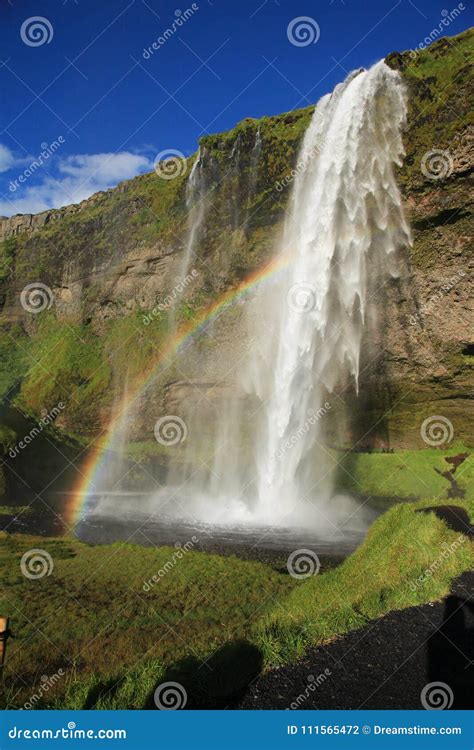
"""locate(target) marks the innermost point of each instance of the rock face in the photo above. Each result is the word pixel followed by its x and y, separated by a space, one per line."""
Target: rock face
pixel 111 265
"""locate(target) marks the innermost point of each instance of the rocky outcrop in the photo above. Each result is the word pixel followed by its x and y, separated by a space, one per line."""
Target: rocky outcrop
pixel 12 226
pixel 112 264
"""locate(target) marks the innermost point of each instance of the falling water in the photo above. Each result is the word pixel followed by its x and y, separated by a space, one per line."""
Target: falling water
pixel 345 220
pixel 343 229
pixel 196 205
pixel 196 208
pixel 253 170
pixel 232 185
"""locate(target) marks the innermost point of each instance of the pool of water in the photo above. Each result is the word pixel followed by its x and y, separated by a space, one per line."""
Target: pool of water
pixel 38 507
pixel 265 543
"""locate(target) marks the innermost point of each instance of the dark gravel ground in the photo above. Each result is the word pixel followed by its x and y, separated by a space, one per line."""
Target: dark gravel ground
pixel 385 665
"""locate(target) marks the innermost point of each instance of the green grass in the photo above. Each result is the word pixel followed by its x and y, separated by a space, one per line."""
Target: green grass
pixel 378 577
pixel 404 474
pixel 408 474
pixel 102 623
pixel 127 334
pixel 443 59
pixel 116 641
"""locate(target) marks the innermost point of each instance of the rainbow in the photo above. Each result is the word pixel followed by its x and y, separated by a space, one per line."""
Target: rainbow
pixel 77 505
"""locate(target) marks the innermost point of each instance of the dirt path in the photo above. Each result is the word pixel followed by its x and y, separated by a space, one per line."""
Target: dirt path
pixel 384 665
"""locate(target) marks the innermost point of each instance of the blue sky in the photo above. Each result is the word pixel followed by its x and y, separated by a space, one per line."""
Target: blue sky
pixel 79 79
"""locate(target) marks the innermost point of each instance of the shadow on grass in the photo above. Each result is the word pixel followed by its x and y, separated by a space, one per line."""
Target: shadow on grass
pixel 217 682
pixel 455 517
pixel 106 688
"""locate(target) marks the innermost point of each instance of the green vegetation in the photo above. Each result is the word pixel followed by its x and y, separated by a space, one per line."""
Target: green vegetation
pixel 439 99
pixel 69 362
pixel 382 575
pixel 383 477
pixel 102 623
pixel 123 334
pixel 13 357
pixel 7 256
pixel 67 366
pixel 116 638
pixel 409 474
pixel 280 137
pixel 7 438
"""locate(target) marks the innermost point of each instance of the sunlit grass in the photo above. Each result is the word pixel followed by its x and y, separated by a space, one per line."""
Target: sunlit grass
pixel 410 474
pixel 115 640
pixel 382 575
pixel 92 618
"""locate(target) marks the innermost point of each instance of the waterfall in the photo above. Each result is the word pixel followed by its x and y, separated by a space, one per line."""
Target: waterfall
pixel 253 171
pixel 343 228
pixel 232 185
pixel 196 208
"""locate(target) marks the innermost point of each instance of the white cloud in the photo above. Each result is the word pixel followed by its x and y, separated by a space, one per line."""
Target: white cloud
pixel 8 159
pixel 75 178
pixel 104 168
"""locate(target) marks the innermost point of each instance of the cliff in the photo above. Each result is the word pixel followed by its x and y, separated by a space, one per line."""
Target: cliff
pixel 111 260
